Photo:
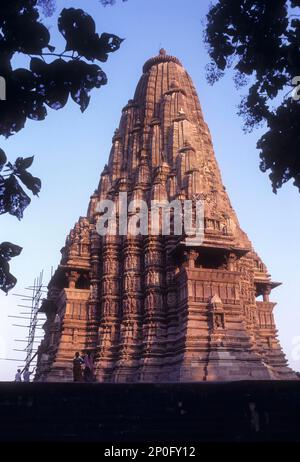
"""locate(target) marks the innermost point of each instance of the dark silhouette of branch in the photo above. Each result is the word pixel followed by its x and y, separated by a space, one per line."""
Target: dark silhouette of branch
pixel 257 38
pixel 29 92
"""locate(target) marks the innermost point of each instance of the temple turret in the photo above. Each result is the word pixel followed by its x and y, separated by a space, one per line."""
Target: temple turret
pixel 152 307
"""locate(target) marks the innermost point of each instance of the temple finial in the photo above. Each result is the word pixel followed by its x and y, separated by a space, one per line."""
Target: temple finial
pixel 162 52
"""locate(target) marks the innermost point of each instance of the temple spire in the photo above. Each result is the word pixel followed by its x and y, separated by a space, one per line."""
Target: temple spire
pixel 157 308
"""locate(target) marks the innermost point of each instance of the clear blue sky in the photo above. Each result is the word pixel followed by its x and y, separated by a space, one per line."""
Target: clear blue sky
pixel 71 149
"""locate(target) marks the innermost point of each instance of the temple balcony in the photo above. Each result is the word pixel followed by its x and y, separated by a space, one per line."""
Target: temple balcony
pixel 199 285
pixel 265 306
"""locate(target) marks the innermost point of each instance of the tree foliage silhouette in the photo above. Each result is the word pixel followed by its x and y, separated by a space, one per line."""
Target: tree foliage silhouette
pixel 260 40
pixel 50 80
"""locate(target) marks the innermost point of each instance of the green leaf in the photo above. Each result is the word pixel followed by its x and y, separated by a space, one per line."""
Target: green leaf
pixel 3 159
pixel 27 162
pixel 9 250
pixel 31 182
pixel 7 280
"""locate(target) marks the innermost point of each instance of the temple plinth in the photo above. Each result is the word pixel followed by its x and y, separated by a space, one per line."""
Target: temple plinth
pixel 155 308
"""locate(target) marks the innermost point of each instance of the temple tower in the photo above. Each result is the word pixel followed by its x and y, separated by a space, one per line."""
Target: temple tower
pixel 157 308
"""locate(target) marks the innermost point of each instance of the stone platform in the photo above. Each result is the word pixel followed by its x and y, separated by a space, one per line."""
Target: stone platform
pixel 194 412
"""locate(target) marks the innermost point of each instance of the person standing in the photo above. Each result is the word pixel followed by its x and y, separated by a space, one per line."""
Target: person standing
pixel 27 374
pixel 18 376
pixel 77 371
pixel 88 372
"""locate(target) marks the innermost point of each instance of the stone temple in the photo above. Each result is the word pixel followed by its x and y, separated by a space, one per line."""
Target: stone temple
pixel 156 308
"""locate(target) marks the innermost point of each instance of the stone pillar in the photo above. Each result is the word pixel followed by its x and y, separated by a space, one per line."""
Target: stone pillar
pixel 231 262
pixel 110 303
pixel 70 332
pixel 266 293
pixel 174 332
pixel 94 302
pixel 130 340
pixel 154 327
